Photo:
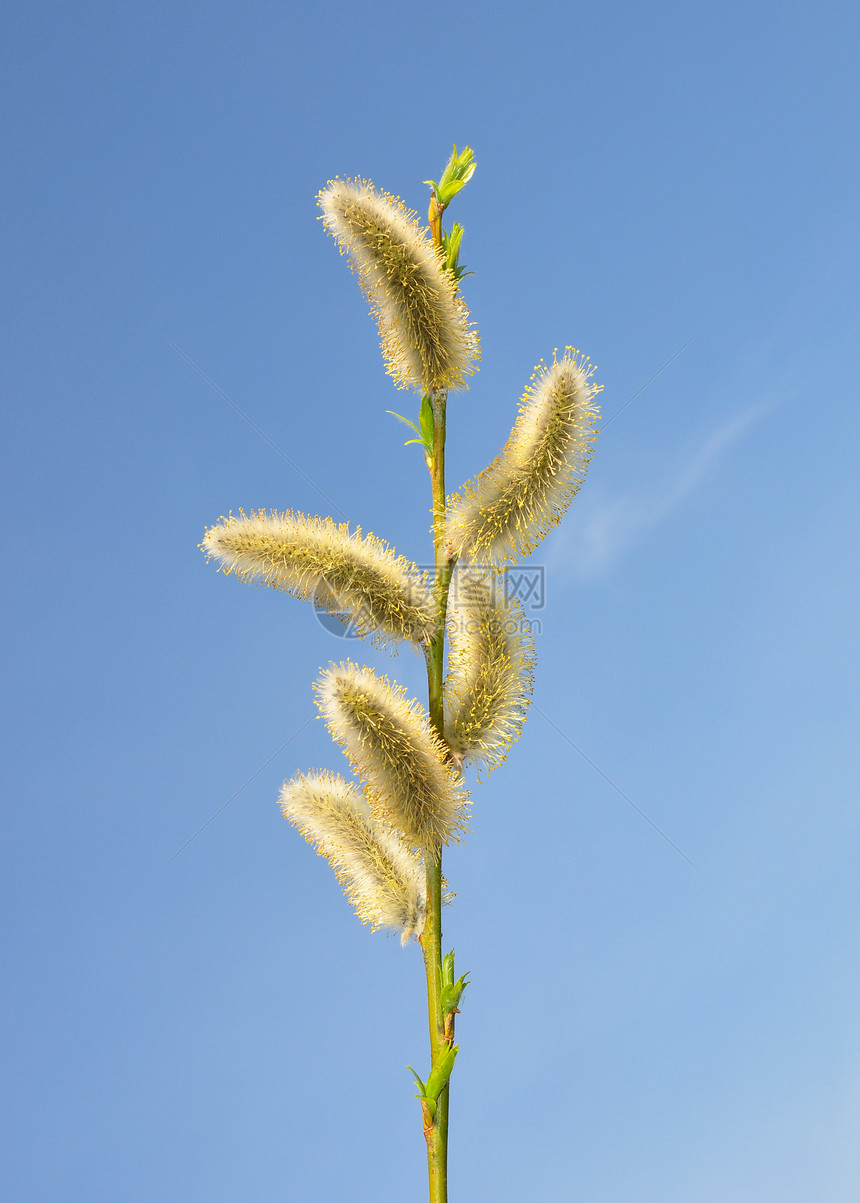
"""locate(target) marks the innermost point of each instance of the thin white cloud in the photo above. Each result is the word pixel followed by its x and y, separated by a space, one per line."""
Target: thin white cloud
pixel 608 526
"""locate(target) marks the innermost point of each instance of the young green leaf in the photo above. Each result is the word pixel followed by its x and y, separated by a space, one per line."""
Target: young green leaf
pixel 425 417
pixel 441 1071
pixel 406 422
pixel 451 248
pixel 419 1082
pixel 452 991
pixel 458 171
pixel 425 438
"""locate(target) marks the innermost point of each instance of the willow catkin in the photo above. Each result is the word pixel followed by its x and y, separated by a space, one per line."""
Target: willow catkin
pixel 388 739
pixel 382 594
pixel 503 514
pixel 491 665
pixel 381 877
pixel 427 340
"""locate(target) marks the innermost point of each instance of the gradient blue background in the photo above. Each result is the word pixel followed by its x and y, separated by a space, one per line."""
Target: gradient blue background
pixel 220 1027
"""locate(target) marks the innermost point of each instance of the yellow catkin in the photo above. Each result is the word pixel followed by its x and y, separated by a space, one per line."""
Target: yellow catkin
pixel 426 337
pixel 387 737
pixel 358 576
pixel 491 666
pixel 503 514
pixel 381 877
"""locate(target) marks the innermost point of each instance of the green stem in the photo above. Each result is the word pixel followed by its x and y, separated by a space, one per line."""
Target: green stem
pixel 436 1127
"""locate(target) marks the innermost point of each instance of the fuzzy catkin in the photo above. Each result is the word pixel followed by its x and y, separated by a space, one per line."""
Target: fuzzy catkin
pixel 382 594
pixel 427 340
pixel 381 877
pixel 388 739
pixel 491 666
pixel 503 514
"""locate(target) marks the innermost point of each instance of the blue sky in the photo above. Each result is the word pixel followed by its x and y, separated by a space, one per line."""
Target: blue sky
pixel 216 1024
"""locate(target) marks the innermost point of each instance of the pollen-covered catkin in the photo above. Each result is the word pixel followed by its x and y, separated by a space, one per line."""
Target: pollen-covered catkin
pixel 427 339
pixel 489 683
pixel 381 877
pixel 503 514
pixel 388 739
pixel 359 576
